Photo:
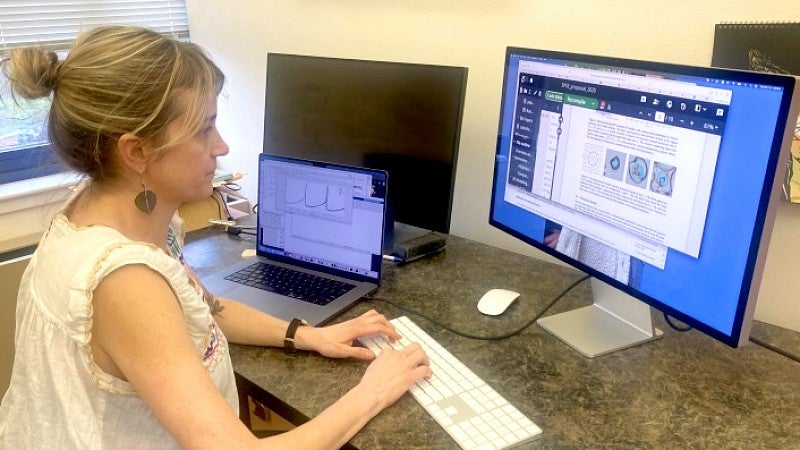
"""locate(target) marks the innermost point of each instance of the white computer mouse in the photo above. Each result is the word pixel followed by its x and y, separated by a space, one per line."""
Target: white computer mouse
pixel 496 301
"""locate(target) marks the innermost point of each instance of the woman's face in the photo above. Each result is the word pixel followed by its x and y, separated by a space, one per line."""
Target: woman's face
pixel 184 172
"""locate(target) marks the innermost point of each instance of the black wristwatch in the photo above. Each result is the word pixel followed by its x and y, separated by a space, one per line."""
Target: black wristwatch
pixel 288 341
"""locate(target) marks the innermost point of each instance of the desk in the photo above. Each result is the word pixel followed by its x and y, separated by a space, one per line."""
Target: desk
pixel 685 390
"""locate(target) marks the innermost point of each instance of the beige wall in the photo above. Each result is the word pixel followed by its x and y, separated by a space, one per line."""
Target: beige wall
pixel 474 34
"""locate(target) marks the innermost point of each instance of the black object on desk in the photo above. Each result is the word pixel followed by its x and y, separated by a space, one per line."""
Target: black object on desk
pixel 419 247
pixel 685 390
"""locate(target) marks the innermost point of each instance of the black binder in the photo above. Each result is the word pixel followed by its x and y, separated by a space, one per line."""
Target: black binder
pixel 760 46
pixel 772 47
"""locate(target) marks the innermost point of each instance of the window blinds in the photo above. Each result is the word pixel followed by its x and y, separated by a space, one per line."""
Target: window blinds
pixel 56 23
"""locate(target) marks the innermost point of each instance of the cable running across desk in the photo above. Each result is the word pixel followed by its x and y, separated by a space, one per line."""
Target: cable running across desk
pixel 546 308
pixel 479 337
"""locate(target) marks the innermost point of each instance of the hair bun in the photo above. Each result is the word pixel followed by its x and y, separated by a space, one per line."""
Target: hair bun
pixel 50 71
pixel 32 72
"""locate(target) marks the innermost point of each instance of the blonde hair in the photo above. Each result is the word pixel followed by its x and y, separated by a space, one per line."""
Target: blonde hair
pixel 116 80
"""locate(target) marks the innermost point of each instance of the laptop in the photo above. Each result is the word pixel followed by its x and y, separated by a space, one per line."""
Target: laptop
pixel 320 228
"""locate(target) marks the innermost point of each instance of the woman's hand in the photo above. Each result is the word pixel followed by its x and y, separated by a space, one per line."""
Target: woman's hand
pixel 386 379
pixel 393 373
pixel 336 341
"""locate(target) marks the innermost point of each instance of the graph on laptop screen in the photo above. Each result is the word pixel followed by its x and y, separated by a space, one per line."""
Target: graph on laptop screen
pixel 659 181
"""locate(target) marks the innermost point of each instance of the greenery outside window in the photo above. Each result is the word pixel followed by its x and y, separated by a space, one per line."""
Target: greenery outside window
pixel 24 148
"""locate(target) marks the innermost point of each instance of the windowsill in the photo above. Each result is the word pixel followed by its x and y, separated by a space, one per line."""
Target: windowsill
pixel 35 192
pixel 26 207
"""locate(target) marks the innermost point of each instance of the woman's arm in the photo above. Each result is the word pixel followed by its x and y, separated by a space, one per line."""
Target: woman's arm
pixel 243 324
pixel 386 380
pixel 139 335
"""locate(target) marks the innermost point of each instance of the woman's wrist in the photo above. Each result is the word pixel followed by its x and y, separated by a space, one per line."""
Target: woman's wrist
pixel 304 337
pixel 371 402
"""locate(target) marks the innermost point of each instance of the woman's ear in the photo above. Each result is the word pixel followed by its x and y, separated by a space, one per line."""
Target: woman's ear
pixel 131 152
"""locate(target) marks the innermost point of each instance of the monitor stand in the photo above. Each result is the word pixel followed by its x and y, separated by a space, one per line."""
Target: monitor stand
pixel 613 322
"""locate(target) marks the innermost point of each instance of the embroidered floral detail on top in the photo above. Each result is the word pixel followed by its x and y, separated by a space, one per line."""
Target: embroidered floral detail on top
pixel 214 340
pixel 212 302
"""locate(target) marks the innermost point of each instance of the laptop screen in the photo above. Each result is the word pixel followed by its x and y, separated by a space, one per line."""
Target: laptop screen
pixel 326 216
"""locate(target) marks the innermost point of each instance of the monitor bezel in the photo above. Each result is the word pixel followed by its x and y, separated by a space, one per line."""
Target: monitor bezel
pixel 442 223
pixel 770 190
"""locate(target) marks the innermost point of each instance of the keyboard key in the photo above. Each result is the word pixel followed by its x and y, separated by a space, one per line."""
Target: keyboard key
pixel 292 283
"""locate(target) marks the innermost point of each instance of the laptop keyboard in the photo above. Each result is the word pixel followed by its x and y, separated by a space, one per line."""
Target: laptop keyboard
pixel 292 283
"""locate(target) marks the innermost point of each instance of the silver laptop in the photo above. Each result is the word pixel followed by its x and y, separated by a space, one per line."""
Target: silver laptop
pixel 319 237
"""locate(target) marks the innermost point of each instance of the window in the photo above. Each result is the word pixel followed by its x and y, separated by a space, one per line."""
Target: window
pixel 24 148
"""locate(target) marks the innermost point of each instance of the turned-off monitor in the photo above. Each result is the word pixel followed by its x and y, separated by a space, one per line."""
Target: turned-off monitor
pixel 659 180
pixel 400 117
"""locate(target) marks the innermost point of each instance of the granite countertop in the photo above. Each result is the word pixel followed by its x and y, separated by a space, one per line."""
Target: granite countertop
pixel 685 390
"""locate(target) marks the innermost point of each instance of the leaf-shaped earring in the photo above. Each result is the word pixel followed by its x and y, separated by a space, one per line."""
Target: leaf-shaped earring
pixel 146 200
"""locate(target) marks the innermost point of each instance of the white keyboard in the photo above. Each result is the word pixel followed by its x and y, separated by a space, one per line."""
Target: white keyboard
pixel 469 410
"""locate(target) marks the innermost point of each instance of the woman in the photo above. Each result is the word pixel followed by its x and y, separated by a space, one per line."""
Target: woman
pixel 117 345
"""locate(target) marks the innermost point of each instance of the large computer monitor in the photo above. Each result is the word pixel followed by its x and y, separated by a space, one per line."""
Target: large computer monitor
pixel 400 117
pixel 659 181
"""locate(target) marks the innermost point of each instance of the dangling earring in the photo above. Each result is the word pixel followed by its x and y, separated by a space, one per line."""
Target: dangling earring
pixel 146 200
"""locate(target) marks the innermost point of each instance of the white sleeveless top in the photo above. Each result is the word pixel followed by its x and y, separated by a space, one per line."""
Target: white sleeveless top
pixel 58 397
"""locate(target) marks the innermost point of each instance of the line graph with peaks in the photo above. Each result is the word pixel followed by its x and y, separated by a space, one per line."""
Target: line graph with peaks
pixel 325 198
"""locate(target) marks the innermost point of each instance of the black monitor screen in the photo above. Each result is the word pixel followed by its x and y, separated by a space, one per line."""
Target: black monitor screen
pixel 399 117
pixel 653 178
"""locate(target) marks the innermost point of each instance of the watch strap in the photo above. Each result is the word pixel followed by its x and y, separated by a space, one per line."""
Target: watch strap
pixel 288 341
